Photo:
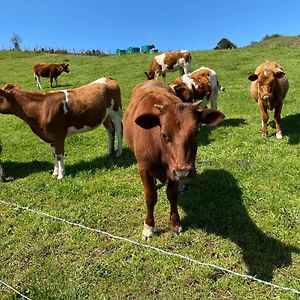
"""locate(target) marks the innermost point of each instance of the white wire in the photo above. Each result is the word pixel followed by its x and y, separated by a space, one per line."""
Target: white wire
pixel 155 248
pixel 10 287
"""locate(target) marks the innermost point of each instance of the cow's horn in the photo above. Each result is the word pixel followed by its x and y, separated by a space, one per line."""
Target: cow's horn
pixel 198 102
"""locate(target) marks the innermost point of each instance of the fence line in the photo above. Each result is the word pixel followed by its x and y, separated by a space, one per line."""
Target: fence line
pixel 169 253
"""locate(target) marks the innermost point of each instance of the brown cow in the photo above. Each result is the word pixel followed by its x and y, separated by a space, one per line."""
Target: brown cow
pixel 48 70
pixel 269 87
pixel 161 131
pixel 169 62
pixel 55 115
pixel 201 84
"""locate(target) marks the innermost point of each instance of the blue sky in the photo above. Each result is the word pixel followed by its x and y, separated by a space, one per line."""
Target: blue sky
pixel 169 25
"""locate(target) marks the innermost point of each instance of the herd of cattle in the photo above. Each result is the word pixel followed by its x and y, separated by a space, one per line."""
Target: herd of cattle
pixel 160 124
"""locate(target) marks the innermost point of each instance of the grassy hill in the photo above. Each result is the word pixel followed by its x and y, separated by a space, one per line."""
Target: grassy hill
pixel 241 212
pixel 278 41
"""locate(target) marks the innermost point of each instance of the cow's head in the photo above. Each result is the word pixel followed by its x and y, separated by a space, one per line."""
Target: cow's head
pixel 179 126
pixel 65 67
pixel 266 81
pixel 6 106
pixel 150 75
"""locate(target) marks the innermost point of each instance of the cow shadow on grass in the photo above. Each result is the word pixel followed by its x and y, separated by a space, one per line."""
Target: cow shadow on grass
pixel 15 170
pixel 205 131
pixel 291 128
pixel 218 208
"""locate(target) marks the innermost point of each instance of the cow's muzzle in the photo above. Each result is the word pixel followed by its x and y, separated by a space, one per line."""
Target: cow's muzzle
pixel 182 172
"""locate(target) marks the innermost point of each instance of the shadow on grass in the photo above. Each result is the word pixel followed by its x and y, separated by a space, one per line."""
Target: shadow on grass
pixel 219 210
pixel 291 128
pixel 205 131
pixel 15 170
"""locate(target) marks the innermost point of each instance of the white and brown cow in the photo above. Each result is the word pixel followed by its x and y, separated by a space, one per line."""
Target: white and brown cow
pixel 169 62
pixel 162 131
pixel 269 87
pixel 201 84
pixel 51 70
pixel 55 115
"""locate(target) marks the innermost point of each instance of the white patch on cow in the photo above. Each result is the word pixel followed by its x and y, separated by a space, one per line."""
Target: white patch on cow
pixel 188 81
pixel 65 102
pixel 148 231
pixel 265 73
pixel 61 166
pixel 100 80
pixel 74 130
pixel 160 60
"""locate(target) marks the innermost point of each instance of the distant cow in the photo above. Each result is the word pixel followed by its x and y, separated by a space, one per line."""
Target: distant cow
pixel 169 62
pixel 50 70
pixel 55 115
pixel 269 87
pixel 161 131
pixel 201 84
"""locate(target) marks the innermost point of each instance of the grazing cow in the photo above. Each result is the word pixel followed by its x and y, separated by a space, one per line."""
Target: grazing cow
pixel 48 70
pixel 269 87
pixel 161 131
pixel 169 62
pixel 201 84
pixel 54 115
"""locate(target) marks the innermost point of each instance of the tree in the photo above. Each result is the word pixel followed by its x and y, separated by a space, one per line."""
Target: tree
pixel 16 41
pixel 225 44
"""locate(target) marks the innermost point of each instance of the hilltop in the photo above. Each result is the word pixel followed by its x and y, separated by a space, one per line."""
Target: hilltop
pixel 277 41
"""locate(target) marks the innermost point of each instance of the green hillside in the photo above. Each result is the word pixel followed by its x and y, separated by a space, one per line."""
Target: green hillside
pixel 280 41
pixel 241 212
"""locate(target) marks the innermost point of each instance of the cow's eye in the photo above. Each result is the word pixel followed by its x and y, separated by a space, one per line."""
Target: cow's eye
pixel 165 138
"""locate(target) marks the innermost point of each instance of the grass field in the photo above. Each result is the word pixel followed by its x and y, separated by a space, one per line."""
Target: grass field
pixel 241 212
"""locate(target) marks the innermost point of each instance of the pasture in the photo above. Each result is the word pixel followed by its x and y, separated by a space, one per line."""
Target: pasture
pixel 241 212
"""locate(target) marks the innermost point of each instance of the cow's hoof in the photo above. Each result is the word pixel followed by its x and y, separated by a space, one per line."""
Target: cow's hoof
pixel 119 153
pixel 147 232
pixel 279 135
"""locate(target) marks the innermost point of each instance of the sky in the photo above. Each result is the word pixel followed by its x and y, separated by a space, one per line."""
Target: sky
pixel 169 25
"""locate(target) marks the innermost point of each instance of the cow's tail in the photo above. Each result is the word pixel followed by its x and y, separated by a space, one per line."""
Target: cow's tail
pixel 220 87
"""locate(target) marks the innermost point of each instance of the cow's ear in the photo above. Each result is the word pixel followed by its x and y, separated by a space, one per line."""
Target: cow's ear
pixel 210 116
pixel 147 121
pixel 279 74
pixel 253 77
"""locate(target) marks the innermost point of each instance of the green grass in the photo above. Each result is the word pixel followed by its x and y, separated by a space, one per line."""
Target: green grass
pixel 241 212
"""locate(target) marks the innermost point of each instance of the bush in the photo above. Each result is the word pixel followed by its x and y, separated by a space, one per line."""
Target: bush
pixel 225 44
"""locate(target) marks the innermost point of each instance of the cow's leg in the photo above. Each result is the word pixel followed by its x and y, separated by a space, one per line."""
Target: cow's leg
pixel 172 194
pixel 150 195
pixel 264 118
pixel 116 117
pixel 37 81
pixel 59 166
pixel 56 81
pixel 51 81
pixel 277 120
pixel 214 98
pixel 163 76
pixel 110 134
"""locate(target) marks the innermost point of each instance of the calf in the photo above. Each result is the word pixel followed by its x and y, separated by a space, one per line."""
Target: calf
pixel 48 70
pixel 161 131
pixel 269 87
pixel 201 84
pixel 169 62
pixel 55 115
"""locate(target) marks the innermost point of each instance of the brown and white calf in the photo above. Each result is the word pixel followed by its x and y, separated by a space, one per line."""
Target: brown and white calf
pixel 269 87
pixel 201 84
pixel 162 131
pixel 50 70
pixel 169 62
pixel 55 115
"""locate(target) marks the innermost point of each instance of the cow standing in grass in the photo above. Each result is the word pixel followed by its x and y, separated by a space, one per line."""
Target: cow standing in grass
pixel 269 87
pixel 162 131
pixel 201 84
pixel 169 62
pixel 50 70
pixel 55 115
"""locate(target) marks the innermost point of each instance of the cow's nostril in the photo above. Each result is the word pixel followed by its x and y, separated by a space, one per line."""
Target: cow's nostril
pixel 182 172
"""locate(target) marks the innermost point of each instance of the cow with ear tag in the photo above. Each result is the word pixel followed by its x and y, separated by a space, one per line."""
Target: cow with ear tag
pixel 162 131
pixel 269 87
